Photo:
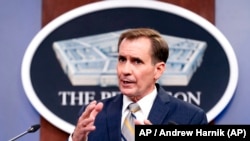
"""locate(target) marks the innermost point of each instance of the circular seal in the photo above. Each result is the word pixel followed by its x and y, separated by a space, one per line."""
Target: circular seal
pixel 71 61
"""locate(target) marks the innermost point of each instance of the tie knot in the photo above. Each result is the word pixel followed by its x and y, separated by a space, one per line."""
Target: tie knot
pixel 133 107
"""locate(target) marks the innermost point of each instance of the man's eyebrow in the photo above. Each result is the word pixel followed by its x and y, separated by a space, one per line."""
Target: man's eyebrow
pixel 120 56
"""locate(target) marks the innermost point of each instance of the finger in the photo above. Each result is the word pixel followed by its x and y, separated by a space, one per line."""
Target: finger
pixel 81 131
pixel 137 122
pixel 88 110
pixel 96 110
pixel 89 115
pixel 87 122
pixel 147 122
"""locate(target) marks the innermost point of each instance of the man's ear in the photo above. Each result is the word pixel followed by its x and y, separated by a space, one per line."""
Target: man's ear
pixel 159 69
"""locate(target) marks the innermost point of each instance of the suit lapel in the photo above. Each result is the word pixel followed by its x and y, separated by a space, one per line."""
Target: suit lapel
pixel 159 109
pixel 114 118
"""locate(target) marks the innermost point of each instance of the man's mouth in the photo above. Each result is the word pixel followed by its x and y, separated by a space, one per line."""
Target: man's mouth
pixel 127 81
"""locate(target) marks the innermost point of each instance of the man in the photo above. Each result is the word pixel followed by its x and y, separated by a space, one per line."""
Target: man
pixel 142 56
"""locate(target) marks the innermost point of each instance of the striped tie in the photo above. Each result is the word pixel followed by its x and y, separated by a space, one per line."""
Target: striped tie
pixel 128 129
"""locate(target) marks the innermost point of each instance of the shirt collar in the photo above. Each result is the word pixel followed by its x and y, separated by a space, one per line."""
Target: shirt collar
pixel 145 103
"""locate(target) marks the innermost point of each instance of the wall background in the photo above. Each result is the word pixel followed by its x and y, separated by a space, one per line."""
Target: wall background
pixel 20 21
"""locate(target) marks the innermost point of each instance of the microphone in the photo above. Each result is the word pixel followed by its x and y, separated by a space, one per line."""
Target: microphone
pixel 32 129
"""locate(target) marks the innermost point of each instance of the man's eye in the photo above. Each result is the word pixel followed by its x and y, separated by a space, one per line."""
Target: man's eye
pixel 138 61
pixel 121 59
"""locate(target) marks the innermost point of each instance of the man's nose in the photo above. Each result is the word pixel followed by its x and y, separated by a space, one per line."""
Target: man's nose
pixel 126 68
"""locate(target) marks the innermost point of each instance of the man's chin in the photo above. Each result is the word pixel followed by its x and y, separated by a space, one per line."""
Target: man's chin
pixel 128 93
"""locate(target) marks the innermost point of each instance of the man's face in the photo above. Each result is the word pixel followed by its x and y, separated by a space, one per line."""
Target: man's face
pixel 136 73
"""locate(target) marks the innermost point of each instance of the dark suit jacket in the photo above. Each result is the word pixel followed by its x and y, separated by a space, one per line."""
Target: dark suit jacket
pixel 165 110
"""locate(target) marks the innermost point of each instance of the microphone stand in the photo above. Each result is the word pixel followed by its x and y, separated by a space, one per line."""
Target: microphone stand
pixel 18 136
pixel 33 128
